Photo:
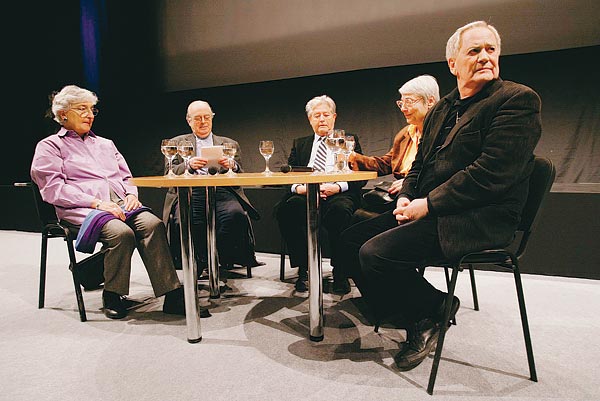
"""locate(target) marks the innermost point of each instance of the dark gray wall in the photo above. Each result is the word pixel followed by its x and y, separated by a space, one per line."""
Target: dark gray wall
pixel 136 115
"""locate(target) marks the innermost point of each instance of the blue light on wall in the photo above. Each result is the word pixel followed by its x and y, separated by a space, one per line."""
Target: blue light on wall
pixel 92 20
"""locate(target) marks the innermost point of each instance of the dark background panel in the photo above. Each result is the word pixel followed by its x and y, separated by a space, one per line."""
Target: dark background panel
pixel 46 53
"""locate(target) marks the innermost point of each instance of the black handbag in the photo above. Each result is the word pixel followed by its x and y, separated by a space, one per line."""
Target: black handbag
pixel 379 198
pixel 91 271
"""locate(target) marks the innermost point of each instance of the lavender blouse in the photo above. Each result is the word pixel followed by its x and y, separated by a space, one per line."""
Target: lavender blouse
pixel 72 171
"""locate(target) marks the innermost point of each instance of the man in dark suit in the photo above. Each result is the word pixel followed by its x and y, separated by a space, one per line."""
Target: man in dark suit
pixel 464 193
pixel 339 200
pixel 235 240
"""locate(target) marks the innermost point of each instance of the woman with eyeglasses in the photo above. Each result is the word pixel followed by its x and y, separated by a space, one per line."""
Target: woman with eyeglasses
pixel 417 96
pixel 86 179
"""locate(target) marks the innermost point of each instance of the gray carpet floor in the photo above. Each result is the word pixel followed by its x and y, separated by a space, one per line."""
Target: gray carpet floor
pixel 255 346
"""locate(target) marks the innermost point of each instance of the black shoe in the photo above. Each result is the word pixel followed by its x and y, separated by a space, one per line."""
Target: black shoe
pixel 302 281
pixel 341 285
pixel 174 303
pixel 453 309
pixel 422 339
pixel 301 284
pixel 113 305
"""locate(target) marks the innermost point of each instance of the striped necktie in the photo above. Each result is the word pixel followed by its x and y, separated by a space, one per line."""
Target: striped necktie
pixel 321 156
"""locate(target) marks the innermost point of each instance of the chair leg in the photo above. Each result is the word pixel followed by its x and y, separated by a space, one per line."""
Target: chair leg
pixel 248 271
pixel 282 261
pixel 43 258
pixel 453 321
pixel 443 329
pixel 76 283
pixel 447 277
pixel 526 334
pixel 473 288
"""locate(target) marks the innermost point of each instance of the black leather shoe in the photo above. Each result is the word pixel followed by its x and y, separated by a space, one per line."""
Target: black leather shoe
pixel 113 305
pixel 302 281
pixel 453 309
pixel 301 285
pixel 340 286
pixel 174 303
pixel 422 339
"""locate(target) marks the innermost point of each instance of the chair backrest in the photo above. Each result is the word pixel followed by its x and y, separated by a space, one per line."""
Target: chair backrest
pixel 540 182
pixel 46 212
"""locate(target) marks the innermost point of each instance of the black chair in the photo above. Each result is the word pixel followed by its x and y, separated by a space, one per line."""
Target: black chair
pixel 87 272
pixel 540 183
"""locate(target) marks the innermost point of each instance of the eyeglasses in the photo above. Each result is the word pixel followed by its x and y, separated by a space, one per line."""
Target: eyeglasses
pixel 85 111
pixel 206 117
pixel 408 102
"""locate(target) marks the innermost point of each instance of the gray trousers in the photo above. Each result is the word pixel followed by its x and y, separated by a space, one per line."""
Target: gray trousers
pixel 147 233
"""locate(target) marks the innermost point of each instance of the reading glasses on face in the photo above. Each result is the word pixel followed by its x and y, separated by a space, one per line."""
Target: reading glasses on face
pixel 408 102
pixel 85 111
pixel 206 117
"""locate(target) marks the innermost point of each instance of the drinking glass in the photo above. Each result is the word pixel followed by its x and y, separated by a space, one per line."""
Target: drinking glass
pixel 347 149
pixel 229 152
pixel 335 141
pixel 186 150
pixel 266 149
pixel 168 147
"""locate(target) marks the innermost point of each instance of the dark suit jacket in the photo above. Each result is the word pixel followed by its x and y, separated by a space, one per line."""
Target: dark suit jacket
pixel 482 169
pixel 300 156
pixel 179 166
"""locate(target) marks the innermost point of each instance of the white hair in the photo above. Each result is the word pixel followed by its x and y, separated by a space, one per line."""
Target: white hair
pixel 424 86
pixel 454 42
pixel 315 101
pixel 68 96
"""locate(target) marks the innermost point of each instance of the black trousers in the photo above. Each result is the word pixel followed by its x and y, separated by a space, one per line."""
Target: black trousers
pixel 232 226
pixel 336 215
pixel 382 257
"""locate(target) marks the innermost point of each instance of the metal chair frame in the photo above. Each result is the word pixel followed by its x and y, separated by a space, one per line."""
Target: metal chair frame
pixel 51 228
pixel 540 183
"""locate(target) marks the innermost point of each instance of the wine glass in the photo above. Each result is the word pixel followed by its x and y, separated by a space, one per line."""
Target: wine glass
pixel 168 147
pixel 334 142
pixel 346 151
pixel 186 149
pixel 266 149
pixel 229 151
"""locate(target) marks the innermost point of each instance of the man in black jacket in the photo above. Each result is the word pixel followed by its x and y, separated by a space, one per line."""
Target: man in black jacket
pixel 465 191
pixel 339 200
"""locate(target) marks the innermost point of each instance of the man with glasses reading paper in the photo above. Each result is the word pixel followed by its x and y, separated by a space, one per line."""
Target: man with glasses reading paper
pixel 235 239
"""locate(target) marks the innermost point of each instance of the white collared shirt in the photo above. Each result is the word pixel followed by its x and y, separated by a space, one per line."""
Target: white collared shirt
pixel 329 163
pixel 201 142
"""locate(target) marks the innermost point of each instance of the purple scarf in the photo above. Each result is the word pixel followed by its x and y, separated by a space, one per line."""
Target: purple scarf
pixel 92 225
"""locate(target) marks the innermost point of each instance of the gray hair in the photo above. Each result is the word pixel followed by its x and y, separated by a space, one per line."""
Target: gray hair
pixel 424 86
pixel 69 95
pixel 454 42
pixel 315 101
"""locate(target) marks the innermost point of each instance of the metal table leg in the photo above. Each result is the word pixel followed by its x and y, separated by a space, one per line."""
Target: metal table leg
pixel 315 270
pixel 190 270
pixel 211 243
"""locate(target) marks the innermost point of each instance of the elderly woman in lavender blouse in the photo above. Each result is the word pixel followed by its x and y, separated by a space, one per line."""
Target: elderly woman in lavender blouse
pixel 84 175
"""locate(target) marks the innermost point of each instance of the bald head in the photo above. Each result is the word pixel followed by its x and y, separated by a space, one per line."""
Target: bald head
pixel 199 117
